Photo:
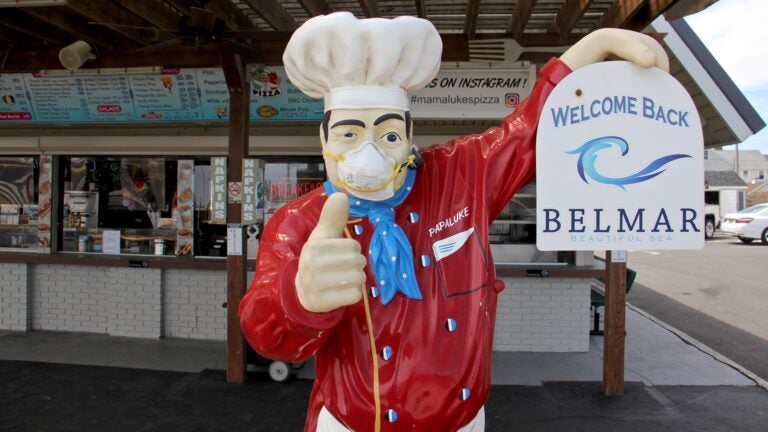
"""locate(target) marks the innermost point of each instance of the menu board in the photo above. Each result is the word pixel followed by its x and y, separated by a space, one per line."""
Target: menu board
pixel 170 96
pixel 14 102
pixel 173 95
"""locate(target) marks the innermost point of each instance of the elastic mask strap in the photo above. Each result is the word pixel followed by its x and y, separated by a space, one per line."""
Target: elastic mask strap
pixel 333 156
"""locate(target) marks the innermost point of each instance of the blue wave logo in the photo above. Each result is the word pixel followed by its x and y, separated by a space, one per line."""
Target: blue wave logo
pixel 588 157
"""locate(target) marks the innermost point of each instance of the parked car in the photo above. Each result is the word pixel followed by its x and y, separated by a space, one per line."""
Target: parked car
pixel 711 220
pixel 748 225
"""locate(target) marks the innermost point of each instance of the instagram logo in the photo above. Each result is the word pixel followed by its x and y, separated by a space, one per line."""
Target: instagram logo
pixel 511 100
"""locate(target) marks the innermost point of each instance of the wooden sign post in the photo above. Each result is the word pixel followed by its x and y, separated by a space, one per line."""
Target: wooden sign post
pixel 615 315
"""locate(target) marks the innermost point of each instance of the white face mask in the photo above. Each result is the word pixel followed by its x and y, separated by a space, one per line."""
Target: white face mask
pixel 367 172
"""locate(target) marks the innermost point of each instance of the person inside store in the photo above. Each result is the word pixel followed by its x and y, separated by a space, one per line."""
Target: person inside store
pixel 385 274
pixel 134 205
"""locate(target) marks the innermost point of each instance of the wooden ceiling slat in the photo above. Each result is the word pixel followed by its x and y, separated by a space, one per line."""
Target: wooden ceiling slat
pixel 272 11
pixel 370 8
pixel 17 20
pixel 470 22
pixel 620 12
pixel 571 12
pixel 68 21
pixel 157 14
pixel 233 16
pixel 108 12
pixel 315 7
pixel 520 16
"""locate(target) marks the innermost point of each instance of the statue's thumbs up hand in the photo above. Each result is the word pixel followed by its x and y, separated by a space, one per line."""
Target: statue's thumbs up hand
pixel 330 266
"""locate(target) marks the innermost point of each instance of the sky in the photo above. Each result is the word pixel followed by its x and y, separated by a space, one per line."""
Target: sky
pixel 736 33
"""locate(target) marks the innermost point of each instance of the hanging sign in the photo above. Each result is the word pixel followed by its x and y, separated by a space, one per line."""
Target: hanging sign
pixel 619 162
pixel 473 93
pixel 219 190
pixel 253 191
pixel 44 203
pixel 185 210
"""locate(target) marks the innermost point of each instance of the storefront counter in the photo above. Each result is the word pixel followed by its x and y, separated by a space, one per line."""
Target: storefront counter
pixel 543 308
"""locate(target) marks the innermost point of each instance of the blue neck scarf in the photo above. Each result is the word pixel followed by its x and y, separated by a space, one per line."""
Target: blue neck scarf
pixel 390 255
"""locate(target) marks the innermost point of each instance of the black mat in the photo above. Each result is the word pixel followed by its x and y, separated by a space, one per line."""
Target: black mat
pixel 53 397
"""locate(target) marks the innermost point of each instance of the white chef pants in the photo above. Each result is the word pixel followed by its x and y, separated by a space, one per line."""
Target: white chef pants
pixel 326 422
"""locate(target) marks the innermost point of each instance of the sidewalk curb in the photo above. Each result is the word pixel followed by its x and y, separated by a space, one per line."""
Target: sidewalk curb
pixel 690 340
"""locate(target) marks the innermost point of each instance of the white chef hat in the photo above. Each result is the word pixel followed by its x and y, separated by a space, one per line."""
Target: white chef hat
pixel 363 63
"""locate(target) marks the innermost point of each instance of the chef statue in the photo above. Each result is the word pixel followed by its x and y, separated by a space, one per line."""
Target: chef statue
pixel 385 275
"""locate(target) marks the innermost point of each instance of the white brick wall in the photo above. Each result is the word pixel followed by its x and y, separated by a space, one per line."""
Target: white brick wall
pixel 543 315
pixel 193 300
pixel 119 301
pixel 13 297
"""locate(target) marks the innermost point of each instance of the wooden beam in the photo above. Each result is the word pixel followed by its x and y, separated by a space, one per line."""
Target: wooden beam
pixel 569 15
pixel 620 13
pixel 68 20
pixel 615 319
pixel 520 17
pixel 239 103
pixel 370 8
pixel 421 8
pixel 17 20
pixel 157 14
pixel 273 13
pixel 647 13
pixel 470 20
pixel 315 7
pixel 123 56
pixel 180 5
pixel 233 16
pixel 108 12
pixel 13 37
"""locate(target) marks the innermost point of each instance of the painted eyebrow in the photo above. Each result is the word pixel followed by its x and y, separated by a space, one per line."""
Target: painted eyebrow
pixel 349 122
pixel 388 116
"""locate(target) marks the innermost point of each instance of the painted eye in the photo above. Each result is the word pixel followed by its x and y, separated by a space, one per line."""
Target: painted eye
pixel 391 137
pixel 350 135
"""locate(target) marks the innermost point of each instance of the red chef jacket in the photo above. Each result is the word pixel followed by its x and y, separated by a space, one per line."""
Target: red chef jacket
pixel 433 356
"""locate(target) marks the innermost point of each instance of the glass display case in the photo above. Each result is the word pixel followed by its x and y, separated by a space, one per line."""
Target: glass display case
pixel 18 236
pixel 137 241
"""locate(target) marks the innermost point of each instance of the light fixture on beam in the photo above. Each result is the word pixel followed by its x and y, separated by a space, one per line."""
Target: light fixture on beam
pixel 75 55
pixel 103 71
pixel 31 3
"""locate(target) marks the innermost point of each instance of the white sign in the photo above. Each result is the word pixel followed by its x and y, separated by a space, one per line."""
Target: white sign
pixel 219 190
pixel 111 242
pixel 619 162
pixel 473 93
pixel 253 191
pixel 234 240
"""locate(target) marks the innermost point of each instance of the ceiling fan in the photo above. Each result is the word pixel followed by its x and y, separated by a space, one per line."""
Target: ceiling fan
pixel 200 28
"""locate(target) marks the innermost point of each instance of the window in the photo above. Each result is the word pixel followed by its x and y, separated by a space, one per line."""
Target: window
pixel 706 154
pixel 513 233
pixel 286 180
pixel 19 202
pixel 127 205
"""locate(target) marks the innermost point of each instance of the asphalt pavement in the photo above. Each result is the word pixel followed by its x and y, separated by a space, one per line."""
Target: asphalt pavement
pixel 54 397
pixel 718 296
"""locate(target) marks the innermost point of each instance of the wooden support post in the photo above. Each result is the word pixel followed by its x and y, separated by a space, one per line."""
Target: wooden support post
pixel 613 342
pixel 239 103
